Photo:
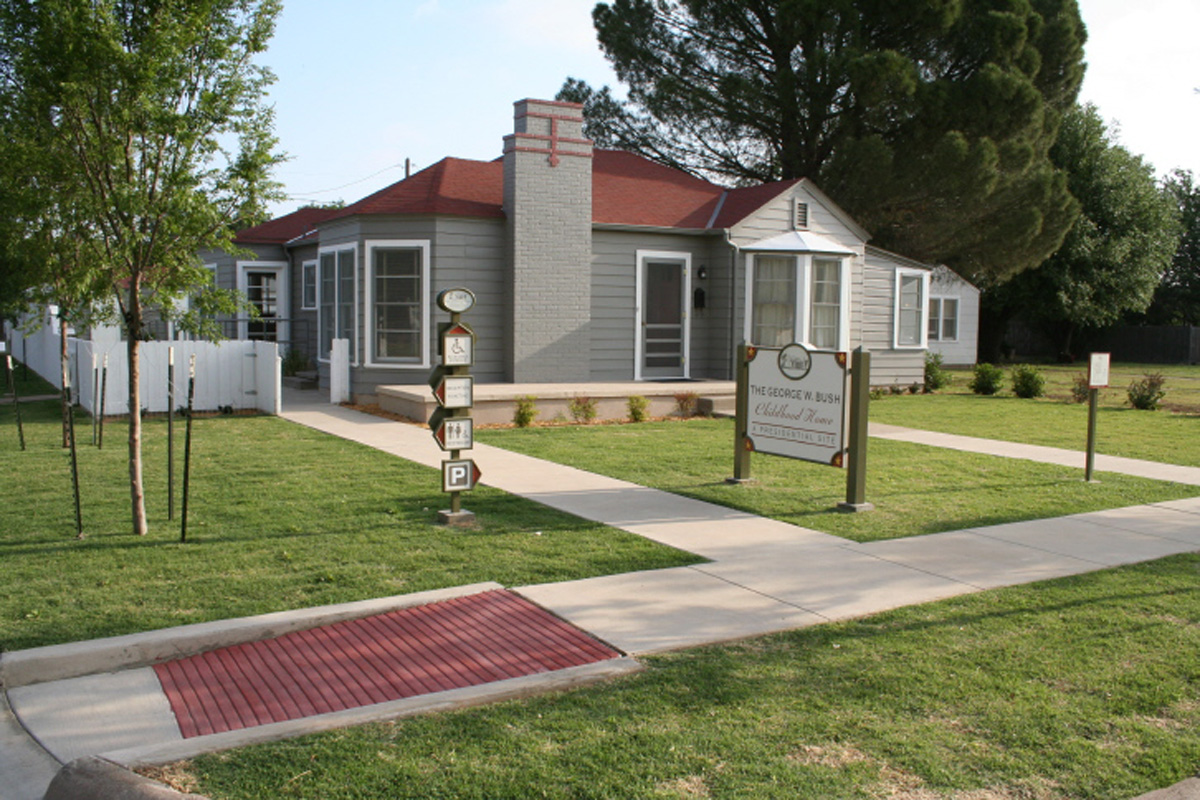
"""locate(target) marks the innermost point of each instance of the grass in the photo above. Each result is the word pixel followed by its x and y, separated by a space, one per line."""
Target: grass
pixel 1055 421
pixel 1077 688
pixel 280 517
pixel 28 383
pixel 916 489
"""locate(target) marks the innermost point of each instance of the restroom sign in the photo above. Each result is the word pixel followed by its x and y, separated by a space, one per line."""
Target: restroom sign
pixel 460 475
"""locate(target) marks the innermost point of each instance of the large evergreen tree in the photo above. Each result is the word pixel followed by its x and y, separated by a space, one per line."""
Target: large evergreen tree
pixel 154 142
pixel 1116 252
pixel 930 121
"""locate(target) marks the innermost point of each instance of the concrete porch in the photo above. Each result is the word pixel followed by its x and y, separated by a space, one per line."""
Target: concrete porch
pixel 496 402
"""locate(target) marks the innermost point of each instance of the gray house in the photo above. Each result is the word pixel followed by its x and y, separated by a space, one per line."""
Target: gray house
pixel 588 265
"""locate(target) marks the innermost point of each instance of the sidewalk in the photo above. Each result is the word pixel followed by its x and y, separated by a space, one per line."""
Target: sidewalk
pixel 762 576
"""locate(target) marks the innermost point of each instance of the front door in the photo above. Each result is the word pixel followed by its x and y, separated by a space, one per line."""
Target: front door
pixel 664 319
pixel 262 292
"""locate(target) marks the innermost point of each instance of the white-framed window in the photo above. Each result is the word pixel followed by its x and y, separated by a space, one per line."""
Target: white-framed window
pixel 397 302
pixel 798 297
pixel 943 319
pixel 308 286
pixel 911 309
pixel 337 286
pixel 260 283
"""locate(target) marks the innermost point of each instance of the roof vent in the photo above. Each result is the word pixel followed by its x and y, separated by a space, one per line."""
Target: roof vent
pixel 800 215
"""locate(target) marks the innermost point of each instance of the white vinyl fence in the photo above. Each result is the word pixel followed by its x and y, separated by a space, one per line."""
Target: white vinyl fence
pixel 236 374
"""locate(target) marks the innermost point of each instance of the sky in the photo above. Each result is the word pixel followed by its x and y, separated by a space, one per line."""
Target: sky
pixel 362 88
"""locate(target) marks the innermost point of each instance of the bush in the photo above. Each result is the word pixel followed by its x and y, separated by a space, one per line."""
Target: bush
pixel 1146 393
pixel 896 388
pixel 1079 388
pixel 638 407
pixel 988 379
pixel 877 393
pixel 582 408
pixel 685 403
pixel 1027 381
pixel 936 376
pixel 294 362
pixel 916 387
pixel 526 411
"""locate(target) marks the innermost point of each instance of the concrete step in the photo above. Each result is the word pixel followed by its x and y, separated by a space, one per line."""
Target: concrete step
pixel 720 406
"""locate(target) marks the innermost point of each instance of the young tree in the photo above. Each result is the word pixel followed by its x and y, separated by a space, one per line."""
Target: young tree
pixel 1116 252
pixel 156 108
pixel 930 121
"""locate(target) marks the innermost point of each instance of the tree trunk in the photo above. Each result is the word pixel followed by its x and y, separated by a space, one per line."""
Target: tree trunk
pixel 133 325
pixel 64 364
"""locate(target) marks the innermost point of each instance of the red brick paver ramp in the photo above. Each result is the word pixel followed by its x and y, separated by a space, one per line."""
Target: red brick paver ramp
pixel 467 641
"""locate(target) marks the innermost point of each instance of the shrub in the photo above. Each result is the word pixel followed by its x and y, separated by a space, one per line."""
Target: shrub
pixel 638 407
pixel 293 362
pixel 896 388
pixel 582 408
pixel 1027 381
pixel 1079 388
pixel 877 393
pixel 936 376
pixel 1146 393
pixel 526 412
pixel 685 403
pixel 916 387
pixel 988 379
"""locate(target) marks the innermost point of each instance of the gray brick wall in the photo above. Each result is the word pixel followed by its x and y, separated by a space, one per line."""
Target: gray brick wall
pixel 548 205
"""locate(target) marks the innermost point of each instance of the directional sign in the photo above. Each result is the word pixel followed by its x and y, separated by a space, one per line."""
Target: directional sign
pixel 458 346
pixel 455 391
pixel 459 476
pixel 1098 370
pixel 453 433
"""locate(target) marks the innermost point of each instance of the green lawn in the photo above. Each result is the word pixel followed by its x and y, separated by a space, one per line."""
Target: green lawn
pixel 915 489
pixel 1078 688
pixel 1057 422
pixel 280 517
pixel 27 381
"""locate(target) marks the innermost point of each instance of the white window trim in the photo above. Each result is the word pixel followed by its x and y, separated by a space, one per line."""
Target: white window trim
pixel 923 325
pixel 639 287
pixel 304 268
pixel 941 299
pixel 282 332
pixel 369 305
pixel 803 293
pixel 355 358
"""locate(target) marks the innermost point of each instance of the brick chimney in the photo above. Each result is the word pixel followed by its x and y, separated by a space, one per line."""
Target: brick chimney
pixel 548 204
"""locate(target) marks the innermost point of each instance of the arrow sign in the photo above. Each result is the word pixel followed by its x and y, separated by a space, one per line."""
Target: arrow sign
pixel 452 433
pixel 459 476
pixel 455 391
pixel 458 346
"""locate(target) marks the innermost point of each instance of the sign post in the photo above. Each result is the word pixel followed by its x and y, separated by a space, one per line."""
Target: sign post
pixel 792 402
pixel 860 397
pixel 1098 364
pixel 454 389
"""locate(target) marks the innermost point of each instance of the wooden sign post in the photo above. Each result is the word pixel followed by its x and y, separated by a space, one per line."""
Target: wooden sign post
pixel 1097 379
pixel 454 390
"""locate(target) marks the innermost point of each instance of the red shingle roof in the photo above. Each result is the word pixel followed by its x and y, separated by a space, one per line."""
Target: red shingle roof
pixel 452 186
pixel 284 229
pixel 627 189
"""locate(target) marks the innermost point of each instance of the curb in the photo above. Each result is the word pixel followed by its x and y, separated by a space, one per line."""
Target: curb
pixel 76 659
pixel 94 778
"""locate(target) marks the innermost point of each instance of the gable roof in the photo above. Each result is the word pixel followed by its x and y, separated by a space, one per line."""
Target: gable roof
pixel 284 229
pixel 452 186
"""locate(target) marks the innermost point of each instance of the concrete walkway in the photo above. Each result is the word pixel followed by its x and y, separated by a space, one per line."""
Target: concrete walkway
pixel 762 576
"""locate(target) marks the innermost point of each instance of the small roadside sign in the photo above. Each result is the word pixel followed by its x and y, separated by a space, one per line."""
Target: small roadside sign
pixel 1098 370
pixel 455 391
pixel 453 433
pixel 460 475
pixel 458 346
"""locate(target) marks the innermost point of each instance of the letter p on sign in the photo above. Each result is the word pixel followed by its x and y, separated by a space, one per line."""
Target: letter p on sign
pixel 459 476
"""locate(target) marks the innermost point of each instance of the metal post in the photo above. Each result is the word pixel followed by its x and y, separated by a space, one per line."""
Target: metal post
pixel 1093 397
pixel 860 398
pixel 12 384
pixel 95 396
pixel 170 433
pixel 103 400
pixel 187 446
pixel 74 460
pixel 741 443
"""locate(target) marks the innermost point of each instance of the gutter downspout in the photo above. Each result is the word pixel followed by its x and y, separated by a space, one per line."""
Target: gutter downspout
pixel 734 252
